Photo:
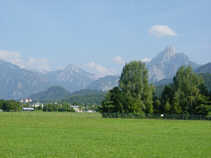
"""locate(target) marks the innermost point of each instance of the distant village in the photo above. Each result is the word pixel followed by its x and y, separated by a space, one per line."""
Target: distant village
pixel 31 106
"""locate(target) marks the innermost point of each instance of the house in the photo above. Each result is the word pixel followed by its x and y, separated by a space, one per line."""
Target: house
pixel 36 105
pixel 76 108
pixel 27 100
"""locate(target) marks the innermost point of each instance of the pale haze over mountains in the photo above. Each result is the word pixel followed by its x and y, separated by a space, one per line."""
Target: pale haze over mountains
pixel 17 82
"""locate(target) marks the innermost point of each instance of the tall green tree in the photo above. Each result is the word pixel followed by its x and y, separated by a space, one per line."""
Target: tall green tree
pixel 134 94
pixel 113 101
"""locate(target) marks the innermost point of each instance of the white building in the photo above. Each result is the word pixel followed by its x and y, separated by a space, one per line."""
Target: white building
pixel 90 111
pixel 36 105
pixel 27 100
pixel 28 109
pixel 76 108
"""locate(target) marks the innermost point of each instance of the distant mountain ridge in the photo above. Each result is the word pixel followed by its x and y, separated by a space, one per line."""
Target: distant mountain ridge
pixel 106 83
pixel 204 68
pixel 71 77
pixel 57 93
pixel 18 83
pixel 166 64
pixel 161 69
pixel 53 93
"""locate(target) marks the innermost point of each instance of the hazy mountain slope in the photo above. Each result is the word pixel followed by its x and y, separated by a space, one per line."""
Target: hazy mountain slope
pixel 57 93
pixel 51 94
pixel 16 82
pixel 163 82
pixel 106 83
pixel 72 78
pixel 204 68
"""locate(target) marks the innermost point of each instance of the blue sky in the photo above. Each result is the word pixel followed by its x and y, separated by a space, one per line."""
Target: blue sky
pixel 101 35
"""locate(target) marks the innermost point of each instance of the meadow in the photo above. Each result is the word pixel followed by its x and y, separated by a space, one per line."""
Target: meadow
pixel 88 135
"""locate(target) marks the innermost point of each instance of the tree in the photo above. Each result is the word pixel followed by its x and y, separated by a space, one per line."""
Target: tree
pixel 187 94
pixel 113 101
pixel 134 94
pixel 167 107
pixel 157 105
pixel 176 109
pixel 134 83
pixel 10 105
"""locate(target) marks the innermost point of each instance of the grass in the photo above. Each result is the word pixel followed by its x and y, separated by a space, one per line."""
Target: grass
pixel 84 135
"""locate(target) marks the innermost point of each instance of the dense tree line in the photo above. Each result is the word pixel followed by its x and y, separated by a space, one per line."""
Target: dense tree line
pixel 187 94
pixel 57 107
pixel 10 105
pixel 14 106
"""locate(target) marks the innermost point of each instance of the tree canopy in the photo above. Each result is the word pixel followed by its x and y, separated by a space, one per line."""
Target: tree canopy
pixel 134 94
pixel 186 95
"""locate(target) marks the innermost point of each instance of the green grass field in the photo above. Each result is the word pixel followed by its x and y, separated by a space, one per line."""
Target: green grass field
pixel 84 135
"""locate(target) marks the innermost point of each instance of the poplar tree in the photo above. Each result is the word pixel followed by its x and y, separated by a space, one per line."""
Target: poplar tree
pixel 134 94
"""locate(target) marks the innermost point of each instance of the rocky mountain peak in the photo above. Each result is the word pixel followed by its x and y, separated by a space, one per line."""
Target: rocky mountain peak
pixel 169 51
pixel 72 68
pixel 164 56
pixel 166 63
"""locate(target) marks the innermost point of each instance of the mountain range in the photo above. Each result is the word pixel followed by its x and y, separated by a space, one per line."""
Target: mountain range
pixel 17 83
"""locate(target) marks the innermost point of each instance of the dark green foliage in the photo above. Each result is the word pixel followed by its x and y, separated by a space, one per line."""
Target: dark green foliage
pixel 186 95
pixel 159 86
pixel 157 105
pixel 57 107
pixel 159 90
pixel 167 107
pixel 134 94
pixel 10 105
pixel 207 80
pixel 167 95
pixel 88 97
